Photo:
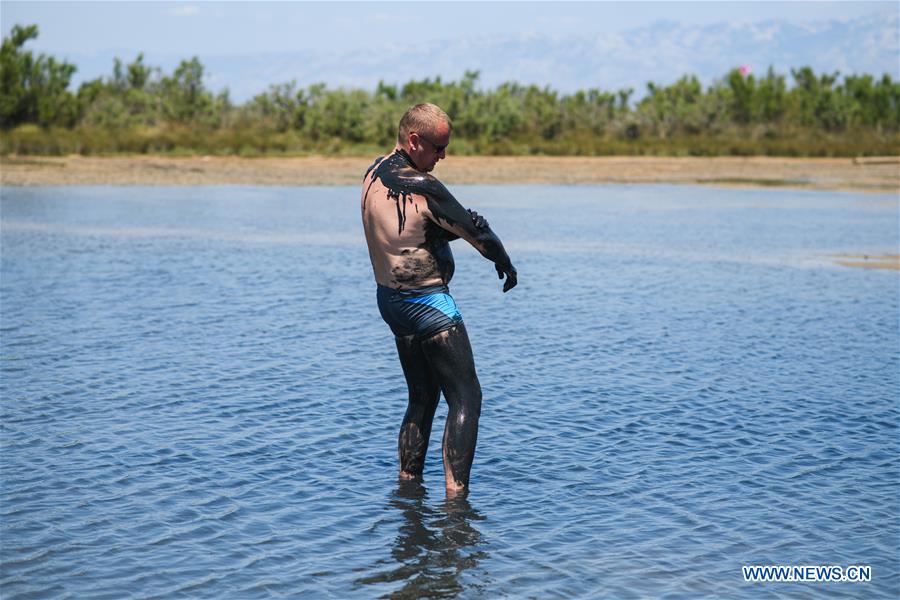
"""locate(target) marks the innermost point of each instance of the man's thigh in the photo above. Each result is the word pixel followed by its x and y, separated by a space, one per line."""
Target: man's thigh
pixel 449 355
pixel 420 377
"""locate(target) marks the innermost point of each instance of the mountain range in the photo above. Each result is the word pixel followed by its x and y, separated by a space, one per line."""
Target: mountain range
pixel 660 52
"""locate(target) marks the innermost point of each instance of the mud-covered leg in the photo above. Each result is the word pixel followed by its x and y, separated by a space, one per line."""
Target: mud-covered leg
pixel 450 356
pixel 424 394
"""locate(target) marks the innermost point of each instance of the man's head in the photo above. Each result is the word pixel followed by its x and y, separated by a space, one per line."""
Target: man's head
pixel 425 134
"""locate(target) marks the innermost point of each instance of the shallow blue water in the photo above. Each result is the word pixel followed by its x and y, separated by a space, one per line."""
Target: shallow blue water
pixel 199 398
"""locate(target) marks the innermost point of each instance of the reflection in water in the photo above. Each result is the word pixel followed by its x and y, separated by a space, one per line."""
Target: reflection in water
pixel 434 545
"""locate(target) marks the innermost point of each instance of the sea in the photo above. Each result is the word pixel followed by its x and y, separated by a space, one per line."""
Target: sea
pixel 200 399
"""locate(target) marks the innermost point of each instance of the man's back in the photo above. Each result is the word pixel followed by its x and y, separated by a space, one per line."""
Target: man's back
pixel 408 249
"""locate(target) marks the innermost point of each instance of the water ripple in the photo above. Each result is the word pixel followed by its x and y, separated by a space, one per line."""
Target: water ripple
pixel 200 400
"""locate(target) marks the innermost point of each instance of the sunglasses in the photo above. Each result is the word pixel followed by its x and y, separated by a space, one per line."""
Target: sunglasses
pixel 437 149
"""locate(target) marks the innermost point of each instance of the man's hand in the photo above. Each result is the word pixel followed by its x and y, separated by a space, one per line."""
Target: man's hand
pixel 477 220
pixel 511 277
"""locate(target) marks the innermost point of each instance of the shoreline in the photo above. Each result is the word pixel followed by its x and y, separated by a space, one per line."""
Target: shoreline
pixel 865 261
pixel 871 175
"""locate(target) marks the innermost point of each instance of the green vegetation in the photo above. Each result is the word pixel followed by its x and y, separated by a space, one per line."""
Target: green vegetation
pixel 140 109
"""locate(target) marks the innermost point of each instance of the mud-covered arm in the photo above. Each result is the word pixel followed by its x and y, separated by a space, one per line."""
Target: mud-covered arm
pixel 450 215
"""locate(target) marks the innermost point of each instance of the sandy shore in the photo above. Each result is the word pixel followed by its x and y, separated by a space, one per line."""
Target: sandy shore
pixel 869 175
pixel 864 261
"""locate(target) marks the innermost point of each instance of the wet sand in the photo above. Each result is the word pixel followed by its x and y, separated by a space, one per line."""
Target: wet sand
pixel 887 261
pixel 866 175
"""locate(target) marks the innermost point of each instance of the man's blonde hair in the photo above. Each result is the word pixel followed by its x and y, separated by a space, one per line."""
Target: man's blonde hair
pixel 422 118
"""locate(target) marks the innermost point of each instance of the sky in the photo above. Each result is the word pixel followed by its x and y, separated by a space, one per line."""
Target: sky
pixel 246 47
pixel 220 28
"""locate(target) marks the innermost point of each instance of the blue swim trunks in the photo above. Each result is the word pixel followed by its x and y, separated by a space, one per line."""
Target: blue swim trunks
pixel 421 312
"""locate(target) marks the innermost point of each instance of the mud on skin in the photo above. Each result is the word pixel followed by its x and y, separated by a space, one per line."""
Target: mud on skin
pixel 418 267
pixel 450 356
pixel 441 363
pixel 402 180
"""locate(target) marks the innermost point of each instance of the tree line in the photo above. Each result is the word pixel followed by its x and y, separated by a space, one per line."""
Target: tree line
pixel 139 108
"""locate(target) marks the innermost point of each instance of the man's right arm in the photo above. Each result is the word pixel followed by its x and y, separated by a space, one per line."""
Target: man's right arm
pixel 492 244
pixel 472 227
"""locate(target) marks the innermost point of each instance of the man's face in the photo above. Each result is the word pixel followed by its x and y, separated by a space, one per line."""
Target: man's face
pixel 427 148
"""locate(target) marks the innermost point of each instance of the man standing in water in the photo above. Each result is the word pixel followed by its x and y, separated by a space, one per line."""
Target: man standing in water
pixel 410 218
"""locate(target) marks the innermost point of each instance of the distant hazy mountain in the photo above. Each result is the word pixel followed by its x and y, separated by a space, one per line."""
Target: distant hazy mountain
pixel 660 52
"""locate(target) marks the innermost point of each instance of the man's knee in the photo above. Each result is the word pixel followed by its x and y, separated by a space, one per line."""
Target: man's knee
pixel 424 394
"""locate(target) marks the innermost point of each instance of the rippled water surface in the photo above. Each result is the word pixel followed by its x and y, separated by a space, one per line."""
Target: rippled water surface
pixel 199 398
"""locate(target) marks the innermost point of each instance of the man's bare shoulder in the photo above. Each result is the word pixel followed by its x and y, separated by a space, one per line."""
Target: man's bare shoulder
pixel 372 168
pixel 400 177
